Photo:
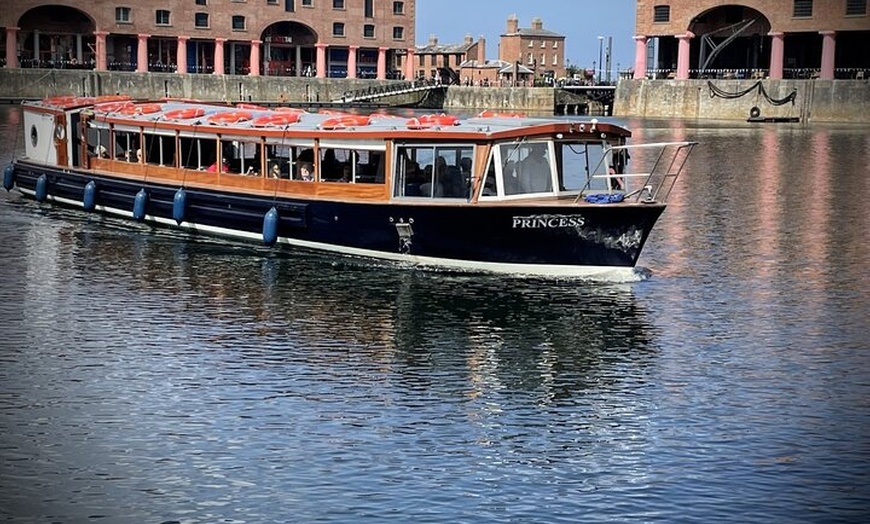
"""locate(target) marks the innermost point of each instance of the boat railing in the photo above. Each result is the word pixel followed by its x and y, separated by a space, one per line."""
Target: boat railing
pixel 653 184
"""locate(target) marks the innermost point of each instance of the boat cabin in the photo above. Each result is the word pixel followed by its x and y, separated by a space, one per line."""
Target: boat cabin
pixel 439 158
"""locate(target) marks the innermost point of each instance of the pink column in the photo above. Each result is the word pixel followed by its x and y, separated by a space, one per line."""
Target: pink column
pixel 181 55
pixel 683 55
pixel 382 63
pixel 639 57
pixel 321 60
pixel 409 63
pixel 142 54
pixel 12 47
pixel 351 61
pixel 100 59
pixel 829 44
pixel 777 52
pixel 255 58
pixel 219 55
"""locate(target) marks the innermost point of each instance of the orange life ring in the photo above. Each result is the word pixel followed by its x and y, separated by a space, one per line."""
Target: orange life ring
pixel 332 112
pixel 111 98
pixel 344 122
pixel 492 114
pixel 184 114
pixel 112 107
pixel 230 117
pixel 140 109
pixel 281 118
pixel 429 121
pixel 253 107
pixel 283 109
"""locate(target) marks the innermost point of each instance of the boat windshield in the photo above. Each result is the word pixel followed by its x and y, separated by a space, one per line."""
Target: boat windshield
pixel 536 167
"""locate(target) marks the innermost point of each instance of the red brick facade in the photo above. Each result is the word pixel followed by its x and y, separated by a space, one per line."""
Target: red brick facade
pixel 282 37
pixel 774 38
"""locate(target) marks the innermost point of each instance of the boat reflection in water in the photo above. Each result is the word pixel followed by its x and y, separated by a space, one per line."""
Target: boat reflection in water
pixel 271 308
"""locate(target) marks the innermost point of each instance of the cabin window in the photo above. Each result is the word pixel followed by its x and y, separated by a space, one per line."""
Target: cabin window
pixel 284 160
pixel 98 141
pixel 241 157
pixel 351 165
pixel 126 146
pixel 526 168
pixel 159 150
pixel 428 171
pixel 197 153
pixel 590 166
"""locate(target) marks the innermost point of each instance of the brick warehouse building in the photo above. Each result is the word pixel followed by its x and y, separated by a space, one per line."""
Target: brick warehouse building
pixel 320 38
pixel 777 39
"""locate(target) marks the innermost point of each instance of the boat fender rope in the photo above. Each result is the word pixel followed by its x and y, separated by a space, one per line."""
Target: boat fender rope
pixel 9 177
pixel 89 200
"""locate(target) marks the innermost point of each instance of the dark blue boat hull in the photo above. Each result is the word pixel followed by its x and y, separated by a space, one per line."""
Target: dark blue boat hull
pixel 607 235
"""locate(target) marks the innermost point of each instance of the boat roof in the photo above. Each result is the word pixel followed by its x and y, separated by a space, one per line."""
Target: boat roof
pixel 253 119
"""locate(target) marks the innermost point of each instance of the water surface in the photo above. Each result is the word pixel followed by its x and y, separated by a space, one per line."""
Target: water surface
pixel 148 376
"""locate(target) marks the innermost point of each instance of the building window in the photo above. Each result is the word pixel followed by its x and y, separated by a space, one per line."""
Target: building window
pixel 338 4
pixel 555 44
pixel 856 7
pixel 200 20
pixel 398 8
pixel 662 13
pixel 290 6
pixel 531 43
pixel 543 44
pixel 238 23
pixel 803 8
pixel 201 2
pixel 338 29
pixel 555 59
pixel 399 34
pixel 307 3
pixel 369 31
pixel 161 17
pixel 271 2
pixel 122 15
pixel 370 9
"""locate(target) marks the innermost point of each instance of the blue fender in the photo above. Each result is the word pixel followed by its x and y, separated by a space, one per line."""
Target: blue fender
pixel 139 205
pixel 179 205
pixel 89 201
pixel 270 227
pixel 41 188
pixel 9 177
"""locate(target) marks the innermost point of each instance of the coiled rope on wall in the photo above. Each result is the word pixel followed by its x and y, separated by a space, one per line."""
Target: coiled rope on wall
pixel 715 91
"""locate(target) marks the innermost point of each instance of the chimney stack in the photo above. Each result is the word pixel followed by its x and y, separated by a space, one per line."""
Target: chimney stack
pixel 513 25
pixel 481 50
pixel 433 40
pixel 537 23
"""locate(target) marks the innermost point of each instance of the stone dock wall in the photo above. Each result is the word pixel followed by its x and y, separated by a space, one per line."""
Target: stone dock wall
pixel 845 101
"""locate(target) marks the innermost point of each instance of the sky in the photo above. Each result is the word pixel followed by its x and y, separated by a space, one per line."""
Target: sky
pixel 580 21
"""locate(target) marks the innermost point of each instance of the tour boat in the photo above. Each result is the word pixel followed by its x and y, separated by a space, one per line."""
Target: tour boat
pixel 499 191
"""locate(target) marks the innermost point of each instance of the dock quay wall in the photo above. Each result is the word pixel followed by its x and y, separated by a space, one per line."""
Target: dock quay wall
pixel 42 83
pixel 846 101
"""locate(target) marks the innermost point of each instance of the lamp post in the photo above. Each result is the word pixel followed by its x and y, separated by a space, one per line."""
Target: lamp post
pixel 600 49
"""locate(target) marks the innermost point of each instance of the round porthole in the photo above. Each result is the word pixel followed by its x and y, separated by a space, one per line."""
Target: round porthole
pixel 59 132
pixel 34 136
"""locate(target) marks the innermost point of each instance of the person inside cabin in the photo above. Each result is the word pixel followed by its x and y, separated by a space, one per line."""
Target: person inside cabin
pixel 306 171
pixel 275 171
pixel 534 170
pixel 617 167
pixel 225 166
pixel 345 173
